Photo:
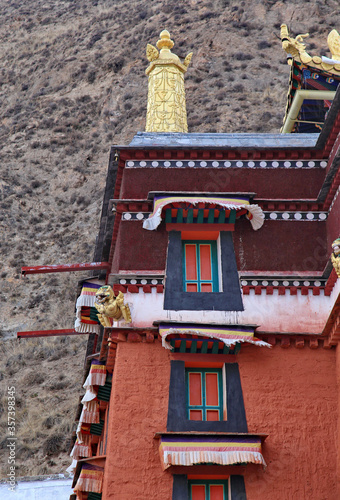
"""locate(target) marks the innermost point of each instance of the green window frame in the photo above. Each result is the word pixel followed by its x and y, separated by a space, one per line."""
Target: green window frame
pixel 204 407
pixel 195 277
pixel 208 487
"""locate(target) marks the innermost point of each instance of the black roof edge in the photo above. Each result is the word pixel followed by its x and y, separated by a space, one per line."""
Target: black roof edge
pixel 107 218
pixel 329 122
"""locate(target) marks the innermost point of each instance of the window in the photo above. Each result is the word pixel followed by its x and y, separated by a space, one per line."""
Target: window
pixel 200 272
pixel 204 394
pixel 209 266
pixel 232 488
pixel 233 414
pixel 208 490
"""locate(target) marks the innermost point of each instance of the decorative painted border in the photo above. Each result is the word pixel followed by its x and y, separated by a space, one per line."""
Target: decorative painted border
pixel 285 282
pixel 307 164
pixel 124 280
pixel 296 216
pixel 294 285
pixel 251 281
pixel 130 216
pixel 285 216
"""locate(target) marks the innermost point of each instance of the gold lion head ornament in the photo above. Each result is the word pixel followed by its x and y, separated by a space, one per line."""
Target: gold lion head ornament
pixel 109 306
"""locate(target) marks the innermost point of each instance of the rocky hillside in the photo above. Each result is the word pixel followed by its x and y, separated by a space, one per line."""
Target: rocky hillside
pixel 72 83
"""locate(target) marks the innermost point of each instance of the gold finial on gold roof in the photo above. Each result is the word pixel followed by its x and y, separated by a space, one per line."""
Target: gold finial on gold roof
pixel 166 110
pixel 333 41
pixel 165 41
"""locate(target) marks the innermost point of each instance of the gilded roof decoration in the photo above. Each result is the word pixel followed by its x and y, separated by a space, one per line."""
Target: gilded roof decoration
pixel 166 110
pixel 296 50
pixel 313 82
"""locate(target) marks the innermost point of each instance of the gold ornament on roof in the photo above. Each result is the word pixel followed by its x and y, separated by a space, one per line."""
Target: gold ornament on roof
pixel 333 41
pixel 151 52
pixel 335 257
pixel 110 306
pixel 296 50
pixel 295 46
pixel 166 110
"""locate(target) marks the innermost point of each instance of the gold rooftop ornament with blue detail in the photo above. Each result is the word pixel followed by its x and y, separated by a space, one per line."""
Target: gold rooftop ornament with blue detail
pixel 166 110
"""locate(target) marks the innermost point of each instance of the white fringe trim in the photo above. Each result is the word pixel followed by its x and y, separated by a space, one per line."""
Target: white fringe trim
pixel 216 457
pixel 199 333
pixel 90 413
pixel 82 450
pixel 257 220
pixel 94 379
pixel 95 485
pixel 85 300
pixel 71 469
pixel 89 394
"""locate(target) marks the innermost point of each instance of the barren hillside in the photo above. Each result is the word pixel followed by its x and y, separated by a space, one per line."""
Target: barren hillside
pixel 72 83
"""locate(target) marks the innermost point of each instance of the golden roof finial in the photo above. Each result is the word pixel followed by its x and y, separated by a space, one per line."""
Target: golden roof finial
pixel 166 111
pixel 165 41
pixel 333 41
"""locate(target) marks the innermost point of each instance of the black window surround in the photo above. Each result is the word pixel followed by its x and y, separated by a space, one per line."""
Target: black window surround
pixel 180 489
pixel 175 299
pixel 177 411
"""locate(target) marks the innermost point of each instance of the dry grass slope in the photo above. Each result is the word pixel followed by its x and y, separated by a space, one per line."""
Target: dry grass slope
pixel 71 83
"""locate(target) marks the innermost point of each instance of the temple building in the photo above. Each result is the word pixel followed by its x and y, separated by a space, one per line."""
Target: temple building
pixel 213 366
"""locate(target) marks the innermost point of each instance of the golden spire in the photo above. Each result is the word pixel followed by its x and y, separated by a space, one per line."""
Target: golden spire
pixel 166 111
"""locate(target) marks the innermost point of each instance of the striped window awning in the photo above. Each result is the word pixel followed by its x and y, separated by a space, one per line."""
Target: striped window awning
pixel 90 479
pixel 254 212
pixel 218 449
pixel 228 335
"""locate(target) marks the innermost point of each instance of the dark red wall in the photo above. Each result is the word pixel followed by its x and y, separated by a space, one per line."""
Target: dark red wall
pixel 277 246
pixel 266 183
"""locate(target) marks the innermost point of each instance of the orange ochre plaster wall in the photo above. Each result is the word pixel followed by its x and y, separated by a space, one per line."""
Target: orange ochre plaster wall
pixel 138 409
pixel 338 414
pixel 291 394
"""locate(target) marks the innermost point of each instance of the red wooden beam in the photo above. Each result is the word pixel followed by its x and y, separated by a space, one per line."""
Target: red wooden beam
pixel 64 268
pixel 47 333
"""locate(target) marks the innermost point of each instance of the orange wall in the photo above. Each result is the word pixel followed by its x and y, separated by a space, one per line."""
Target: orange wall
pixel 338 399
pixel 138 409
pixel 291 394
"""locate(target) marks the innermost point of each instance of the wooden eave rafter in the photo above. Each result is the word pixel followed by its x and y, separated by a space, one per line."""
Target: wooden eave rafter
pixel 64 268
pixel 177 152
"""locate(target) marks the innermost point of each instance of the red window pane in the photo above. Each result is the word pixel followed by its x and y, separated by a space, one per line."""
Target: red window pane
pixel 196 415
pixel 198 492
pixel 213 415
pixel 190 262
pixel 195 389
pixel 205 262
pixel 206 287
pixel 211 383
pixel 191 287
pixel 216 492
